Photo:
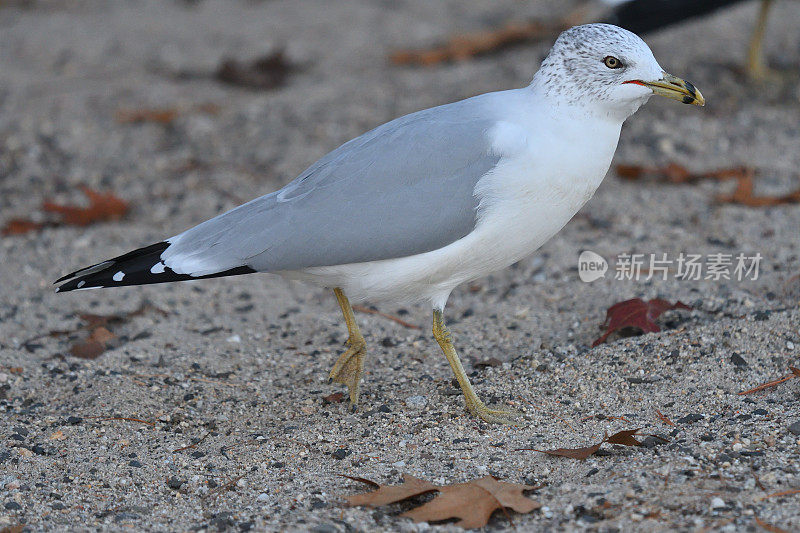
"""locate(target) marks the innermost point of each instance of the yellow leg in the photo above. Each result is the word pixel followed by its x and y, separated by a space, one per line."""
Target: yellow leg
pixel 348 368
pixel 756 68
pixel 474 404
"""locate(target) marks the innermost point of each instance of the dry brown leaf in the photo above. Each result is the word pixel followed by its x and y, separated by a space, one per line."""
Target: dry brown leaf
pixel 386 494
pixel 573 453
pixel 58 435
pixel 492 361
pixel 676 173
pixel 769 527
pixel 20 226
pixel 99 337
pixel 472 503
pixel 267 72
pixel 744 176
pixel 363 309
pixel 162 115
pixel 795 373
pixel 744 195
pixel 94 345
pixel 88 349
pixel 137 116
pixel 789 492
pixel 16 528
pixel 101 334
pixel 102 207
pixel 462 47
pixel 624 438
pixel 336 397
pixel 664 418
pixel 637 314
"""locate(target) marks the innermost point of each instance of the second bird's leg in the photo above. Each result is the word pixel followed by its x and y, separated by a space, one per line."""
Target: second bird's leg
pixel 756 66
pixel 474 404
pixel 348 368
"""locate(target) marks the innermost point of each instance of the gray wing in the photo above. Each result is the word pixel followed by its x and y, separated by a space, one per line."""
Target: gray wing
pixel 401 189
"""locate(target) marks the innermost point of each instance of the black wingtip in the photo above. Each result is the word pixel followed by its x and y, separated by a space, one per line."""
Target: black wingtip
pixel 138 267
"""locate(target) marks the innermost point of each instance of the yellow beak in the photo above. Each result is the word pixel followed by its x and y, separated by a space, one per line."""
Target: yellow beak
pixel 674 88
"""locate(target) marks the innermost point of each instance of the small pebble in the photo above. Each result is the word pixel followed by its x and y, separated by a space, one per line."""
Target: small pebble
pixel 174 483
pixel 718 503
pixel 738 360
pixel 416 402
pixel 341 453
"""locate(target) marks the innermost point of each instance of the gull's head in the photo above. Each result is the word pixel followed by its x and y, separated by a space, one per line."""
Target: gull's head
pixel 609 71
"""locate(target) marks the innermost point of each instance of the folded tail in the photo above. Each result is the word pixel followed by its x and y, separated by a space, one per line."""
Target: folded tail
pixel 139 267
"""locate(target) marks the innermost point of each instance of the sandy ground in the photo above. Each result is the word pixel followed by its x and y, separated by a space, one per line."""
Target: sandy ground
pixel 242 363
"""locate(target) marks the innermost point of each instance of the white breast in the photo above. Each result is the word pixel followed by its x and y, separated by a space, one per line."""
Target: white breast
pixel 544 177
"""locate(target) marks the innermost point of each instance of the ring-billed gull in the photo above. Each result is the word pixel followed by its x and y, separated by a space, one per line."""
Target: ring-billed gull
pixel 413 208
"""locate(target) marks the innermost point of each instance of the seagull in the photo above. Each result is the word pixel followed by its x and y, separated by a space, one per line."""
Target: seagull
pixel 413 208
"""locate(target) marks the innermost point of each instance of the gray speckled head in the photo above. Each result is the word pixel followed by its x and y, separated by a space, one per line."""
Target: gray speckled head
pixel 576 72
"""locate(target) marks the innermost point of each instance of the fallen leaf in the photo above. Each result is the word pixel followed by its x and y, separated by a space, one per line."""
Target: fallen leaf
pixel 58 435
pixel 624 438
pixel 492 361
pixel 472 503
pixel 98 337
pixel 16 528
pixel 462 47
pixel 102 335
pixel 362 309
pixel 744 195
pixel 795 373
pixel 336 397
pixel 637 314
pixel 386 494
pixel 163 115
pixel 137 116
pixel 676 173
pixel 267 72
pixel 88 349
pixel 572 453
pixel 97 342
pixel 20 226
pixel 789 492
pixel 769 527
pixel 102 207
pixel 664 418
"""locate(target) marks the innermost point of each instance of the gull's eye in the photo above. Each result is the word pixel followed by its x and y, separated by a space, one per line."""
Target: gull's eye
pixel 612 62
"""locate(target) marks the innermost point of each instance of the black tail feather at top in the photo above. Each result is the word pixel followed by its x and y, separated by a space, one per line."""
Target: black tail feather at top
pixel 139 267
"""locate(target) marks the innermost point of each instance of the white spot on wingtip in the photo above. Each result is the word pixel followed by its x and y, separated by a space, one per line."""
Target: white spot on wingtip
pixel 81 284
pixel 158 268
pixel 118 276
